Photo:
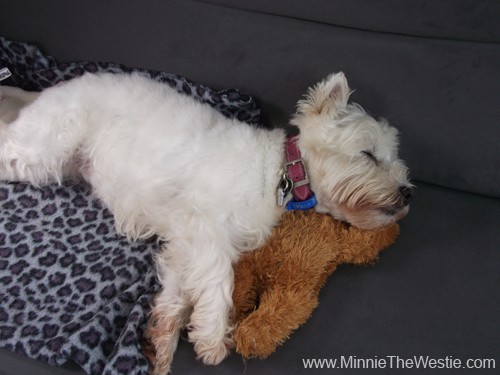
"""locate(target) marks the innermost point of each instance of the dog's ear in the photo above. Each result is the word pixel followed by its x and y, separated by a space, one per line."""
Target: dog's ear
pixel 327 97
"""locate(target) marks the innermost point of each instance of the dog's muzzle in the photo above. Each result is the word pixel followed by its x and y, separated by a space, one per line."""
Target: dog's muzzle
pixel 406 194
pixel 404 199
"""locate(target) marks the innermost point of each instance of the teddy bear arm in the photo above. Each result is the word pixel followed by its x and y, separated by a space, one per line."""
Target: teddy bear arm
pixel 363 246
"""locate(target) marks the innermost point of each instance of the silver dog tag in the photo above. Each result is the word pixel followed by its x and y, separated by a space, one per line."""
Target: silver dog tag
pixel 284 187
pixel 281 197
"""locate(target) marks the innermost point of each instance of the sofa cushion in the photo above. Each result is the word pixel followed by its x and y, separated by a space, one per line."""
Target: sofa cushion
pixel 451 19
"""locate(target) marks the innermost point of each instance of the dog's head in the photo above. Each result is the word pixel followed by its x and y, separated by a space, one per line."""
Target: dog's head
pixel 352 159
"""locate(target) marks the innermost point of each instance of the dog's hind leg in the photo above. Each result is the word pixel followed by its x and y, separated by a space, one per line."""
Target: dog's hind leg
pixel 40 144
pixel 12 100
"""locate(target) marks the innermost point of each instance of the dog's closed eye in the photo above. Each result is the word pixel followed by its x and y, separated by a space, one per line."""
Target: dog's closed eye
pixel 370 155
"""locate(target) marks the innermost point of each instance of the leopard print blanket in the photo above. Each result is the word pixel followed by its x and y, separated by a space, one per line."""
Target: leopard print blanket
pixel 70 287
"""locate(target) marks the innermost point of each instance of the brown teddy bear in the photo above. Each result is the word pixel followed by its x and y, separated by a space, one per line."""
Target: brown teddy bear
pixel 277 286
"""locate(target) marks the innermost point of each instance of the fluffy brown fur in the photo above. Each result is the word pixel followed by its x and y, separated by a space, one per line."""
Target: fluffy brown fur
pixel 277 286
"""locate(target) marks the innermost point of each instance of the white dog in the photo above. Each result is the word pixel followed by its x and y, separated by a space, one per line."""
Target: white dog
pixel 211 187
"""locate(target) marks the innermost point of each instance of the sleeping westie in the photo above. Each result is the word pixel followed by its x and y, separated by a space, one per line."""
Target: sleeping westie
pixel 210 186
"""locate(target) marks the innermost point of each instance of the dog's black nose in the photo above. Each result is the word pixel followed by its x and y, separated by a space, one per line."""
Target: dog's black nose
pixel 406 193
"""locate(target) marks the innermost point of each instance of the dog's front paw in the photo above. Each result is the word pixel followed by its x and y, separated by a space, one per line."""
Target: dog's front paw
pixel 213 352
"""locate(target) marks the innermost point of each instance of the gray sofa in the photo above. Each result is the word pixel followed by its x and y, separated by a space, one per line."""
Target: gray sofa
pixel 432 68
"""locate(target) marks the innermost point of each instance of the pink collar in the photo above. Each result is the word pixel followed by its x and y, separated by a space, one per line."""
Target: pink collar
pixel 296 170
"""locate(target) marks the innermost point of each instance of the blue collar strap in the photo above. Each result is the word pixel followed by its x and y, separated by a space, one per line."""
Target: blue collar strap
pixel 302 206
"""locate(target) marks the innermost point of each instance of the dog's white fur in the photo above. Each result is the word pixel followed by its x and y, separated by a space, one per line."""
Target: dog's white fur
pixel 166 164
